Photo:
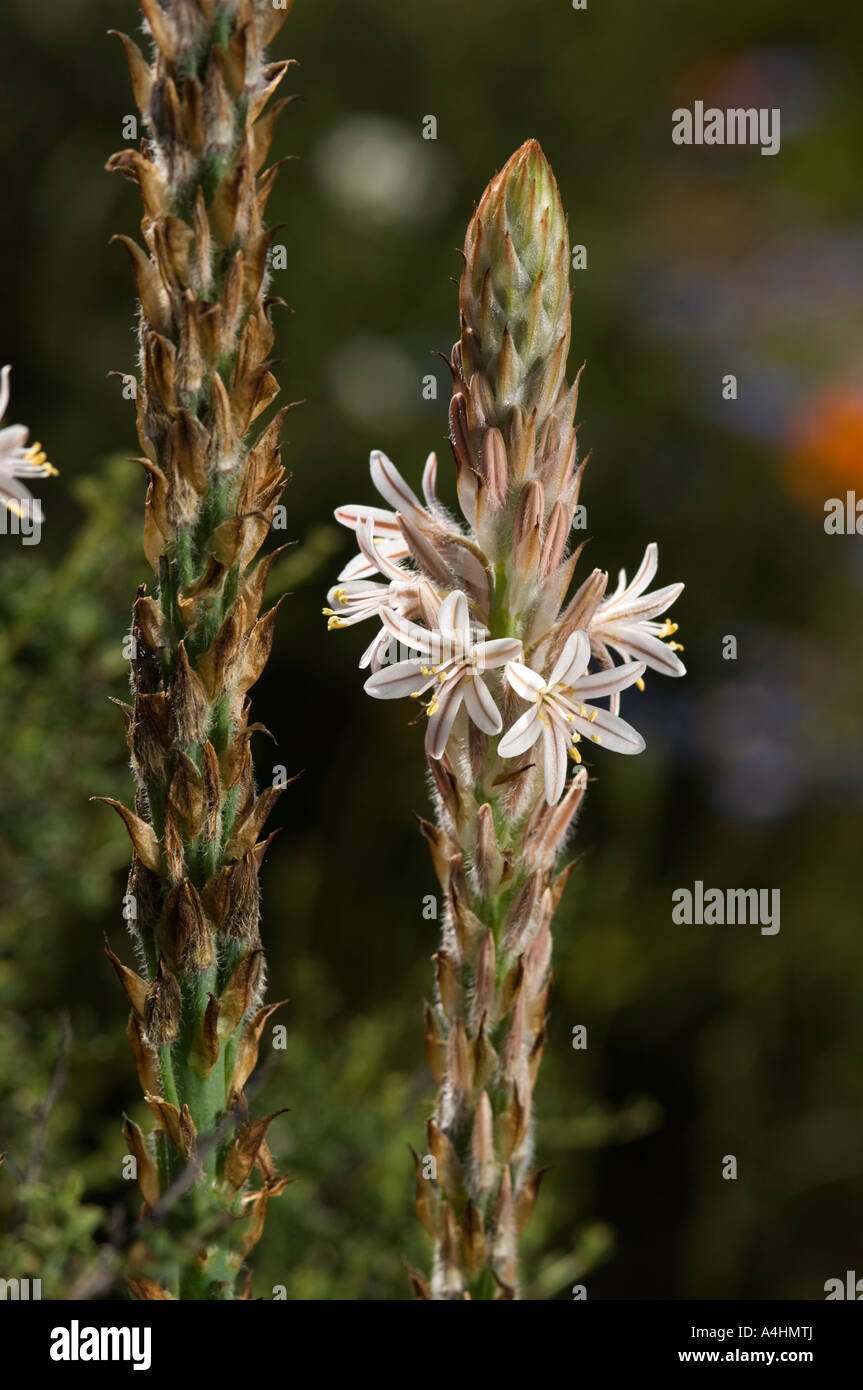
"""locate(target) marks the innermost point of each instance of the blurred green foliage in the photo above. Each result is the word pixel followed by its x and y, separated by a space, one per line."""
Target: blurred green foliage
pixel 702 1041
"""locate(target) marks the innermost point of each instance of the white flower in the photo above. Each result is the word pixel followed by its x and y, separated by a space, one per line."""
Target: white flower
pixel 388 540
pixel 560 715
pixel 451 662
pixel 355 600
pixel 19 462
pixel 624 622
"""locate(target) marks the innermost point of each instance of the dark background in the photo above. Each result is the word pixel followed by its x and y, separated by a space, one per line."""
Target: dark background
pixel 703 1041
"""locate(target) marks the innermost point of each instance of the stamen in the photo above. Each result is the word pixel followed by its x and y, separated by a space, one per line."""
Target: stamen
pixel 36 456
pixel 639 684
pixel 334 623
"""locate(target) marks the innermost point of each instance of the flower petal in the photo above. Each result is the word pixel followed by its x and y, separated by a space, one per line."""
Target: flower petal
pixel 646 570
pixel 430 480
pixel 607 682
pixel 392 486
pixel 554 748
pixel 454 620
pixel 609 731
pixel 639 609
pixel 449 697
pixel 374 654
pixel 525 682
pixel 572 660
pixel 634 641
pixel 17 498
pixel 398 681
pixel 480 705
pixel 523 734
pixel 376 554
pixel 500 651
pixel 410 634
pixel 384 522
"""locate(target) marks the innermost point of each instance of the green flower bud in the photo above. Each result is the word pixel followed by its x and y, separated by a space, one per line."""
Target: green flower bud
pixel 514 290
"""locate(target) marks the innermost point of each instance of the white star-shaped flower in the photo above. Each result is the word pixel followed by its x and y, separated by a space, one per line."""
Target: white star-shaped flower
pixel 560 715
pixel 624 621
pixel 452 662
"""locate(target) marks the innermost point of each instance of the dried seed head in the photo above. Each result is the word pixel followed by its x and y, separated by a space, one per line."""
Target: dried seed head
pixel 146 1060
pixel 487 862
pixel 147 1174
pixel 185 929
pixel 163 1007
pixel 188 705
pixel 483 1164
pixel 133 984
pixel 144 894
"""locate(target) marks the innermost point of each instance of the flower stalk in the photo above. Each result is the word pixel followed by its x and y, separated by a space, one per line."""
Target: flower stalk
pixel 481 611
pixel 199 640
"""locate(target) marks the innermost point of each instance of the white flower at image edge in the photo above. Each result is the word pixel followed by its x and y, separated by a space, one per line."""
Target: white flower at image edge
pixel 451 662
pixel 560 715
pixel 18 462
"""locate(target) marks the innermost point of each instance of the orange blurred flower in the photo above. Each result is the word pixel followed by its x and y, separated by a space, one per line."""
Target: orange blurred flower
pixel 825 454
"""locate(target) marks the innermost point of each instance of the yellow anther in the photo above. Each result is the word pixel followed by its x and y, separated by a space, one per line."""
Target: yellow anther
pixel 574 754
pixel 415 694
pixel 333 624
pixel 39 459
pixel 583 711
pixel 328 612
pixel 668 628
pixel 339 595
pixel 432 708
pixel 425 671
pixel 596 738
pixel 639 684
pixel 676 647
pixel 593 714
